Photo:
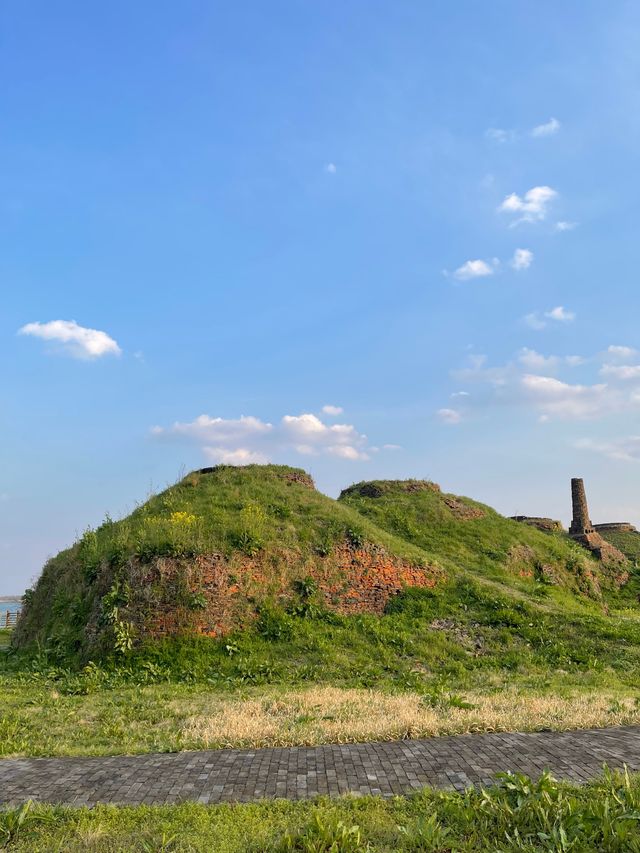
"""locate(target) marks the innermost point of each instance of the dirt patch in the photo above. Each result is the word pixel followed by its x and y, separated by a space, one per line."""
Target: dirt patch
pixel 299 477
pixel 419 486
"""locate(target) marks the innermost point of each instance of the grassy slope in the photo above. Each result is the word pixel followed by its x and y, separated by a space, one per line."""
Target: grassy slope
pixel 485 546
pixel 628 543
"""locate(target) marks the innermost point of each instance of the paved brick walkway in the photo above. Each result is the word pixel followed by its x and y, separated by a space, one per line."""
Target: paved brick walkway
pixel 300 772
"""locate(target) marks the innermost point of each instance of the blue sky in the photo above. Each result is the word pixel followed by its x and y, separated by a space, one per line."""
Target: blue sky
pixel 219 219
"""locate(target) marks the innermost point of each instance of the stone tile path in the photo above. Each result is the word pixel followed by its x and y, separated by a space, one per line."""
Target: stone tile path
pixel 241 775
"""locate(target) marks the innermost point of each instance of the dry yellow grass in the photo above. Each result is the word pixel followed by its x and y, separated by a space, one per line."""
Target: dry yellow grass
pixel 334 715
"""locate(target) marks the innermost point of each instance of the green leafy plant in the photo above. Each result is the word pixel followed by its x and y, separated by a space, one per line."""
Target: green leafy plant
pixel 15 823
pixel 322 835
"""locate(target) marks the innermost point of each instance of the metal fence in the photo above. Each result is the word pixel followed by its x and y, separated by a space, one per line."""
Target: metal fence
pixel 9 618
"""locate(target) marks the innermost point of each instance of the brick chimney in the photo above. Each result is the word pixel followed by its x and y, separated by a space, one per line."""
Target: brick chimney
pixel 581 522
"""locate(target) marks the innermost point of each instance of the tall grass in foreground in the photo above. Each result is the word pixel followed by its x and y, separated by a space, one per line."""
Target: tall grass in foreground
pixel 517 814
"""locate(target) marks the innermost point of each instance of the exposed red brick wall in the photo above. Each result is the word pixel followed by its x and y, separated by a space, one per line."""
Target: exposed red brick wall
pixel 349 580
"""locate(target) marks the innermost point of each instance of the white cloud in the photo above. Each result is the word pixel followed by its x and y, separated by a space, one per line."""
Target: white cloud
pixel 218 431
pixel 560 315
pixel 533 207
pixel 621 352
pixel 522 259
pixel 474 269
pixel 310 432
pixel 626 449
pixel 563 225
pixel 547 129
pixel 248 440
pixel 449 416
pixel 563 400
pixel 624 372
pixel 391 447
pixel 346 451
pixel 332 410
pixel 76 340
pixel 240 456
pixel 460 394
pixel 331 168
pixel 533 360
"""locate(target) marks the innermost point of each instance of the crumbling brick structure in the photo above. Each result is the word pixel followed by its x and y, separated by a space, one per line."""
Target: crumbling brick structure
pixel 581 523
pixel 583 531
pixel 547 525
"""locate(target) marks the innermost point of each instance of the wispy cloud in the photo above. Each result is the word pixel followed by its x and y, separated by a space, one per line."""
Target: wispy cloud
pixel 625 449
pixel 522 259
pixel 549 128
pixel 75 340
pixel 331 168
pixel 532 207
pixel 540 320
pixel 449 416
pixel 616 351
pixel 332 410
pixel 535 361
pixel 249 439
pixel 500 135
pixel 564 225
pixel 535 381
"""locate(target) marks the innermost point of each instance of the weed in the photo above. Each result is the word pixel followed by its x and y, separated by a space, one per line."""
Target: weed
pixel 322 836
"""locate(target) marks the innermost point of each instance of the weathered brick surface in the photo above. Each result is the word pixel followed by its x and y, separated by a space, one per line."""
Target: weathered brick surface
pixel 298 773
pixel 350 580
pixel 547 525
pixel 581 522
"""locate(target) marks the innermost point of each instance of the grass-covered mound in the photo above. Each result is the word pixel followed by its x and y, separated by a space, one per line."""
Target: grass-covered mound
pixel 459 532
pixel 228 548
pixel 207 554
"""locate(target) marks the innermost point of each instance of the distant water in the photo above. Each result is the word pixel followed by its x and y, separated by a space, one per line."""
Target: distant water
pixel 11 606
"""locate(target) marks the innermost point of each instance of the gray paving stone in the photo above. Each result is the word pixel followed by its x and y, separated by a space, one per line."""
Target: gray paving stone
pixel 385 769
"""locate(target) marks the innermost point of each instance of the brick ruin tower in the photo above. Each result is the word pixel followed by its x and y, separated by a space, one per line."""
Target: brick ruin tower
pixel 581 523
pixel 586 534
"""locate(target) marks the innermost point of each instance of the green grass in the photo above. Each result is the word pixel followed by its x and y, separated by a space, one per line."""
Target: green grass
pixel 515 815
pixel 464 637
pixel 470 536
pixel 626 541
